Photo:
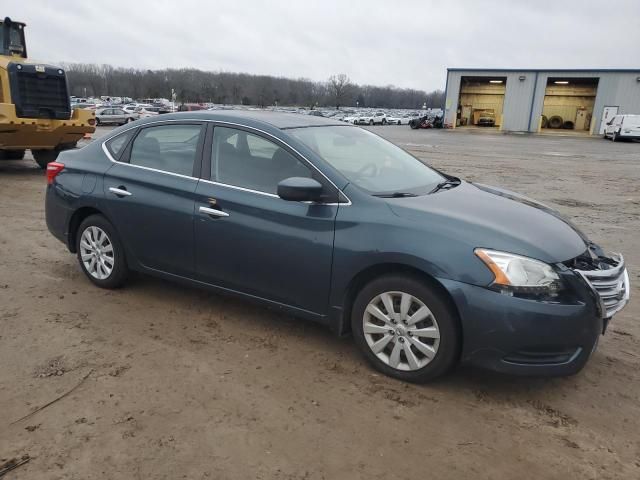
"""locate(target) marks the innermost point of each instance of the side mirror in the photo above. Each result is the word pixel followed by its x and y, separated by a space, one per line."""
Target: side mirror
pixel 299 189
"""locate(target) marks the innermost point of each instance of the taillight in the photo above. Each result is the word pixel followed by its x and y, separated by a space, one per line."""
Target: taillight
pixel 91 121
pixel 53 169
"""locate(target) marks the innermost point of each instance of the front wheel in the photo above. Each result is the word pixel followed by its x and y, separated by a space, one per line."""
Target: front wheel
pixel 44 157
pixel 371 122
pixel 100 252
pixel 614 136
pixel 384 121
pixel 405 328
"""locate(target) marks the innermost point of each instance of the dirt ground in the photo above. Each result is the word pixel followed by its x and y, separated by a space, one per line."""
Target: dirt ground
pixel 185 384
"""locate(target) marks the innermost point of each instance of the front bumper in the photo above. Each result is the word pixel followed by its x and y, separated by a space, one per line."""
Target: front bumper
pixel 528 337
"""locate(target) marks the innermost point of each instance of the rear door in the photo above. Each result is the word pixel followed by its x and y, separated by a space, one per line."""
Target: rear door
pixel 607 115
pixel 150 195
pixel 255 242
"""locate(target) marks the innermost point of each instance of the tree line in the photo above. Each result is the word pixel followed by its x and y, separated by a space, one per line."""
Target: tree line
pixel 196 86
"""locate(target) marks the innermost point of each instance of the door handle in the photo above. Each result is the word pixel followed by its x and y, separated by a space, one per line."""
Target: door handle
pixel 213 212
pixel 120 191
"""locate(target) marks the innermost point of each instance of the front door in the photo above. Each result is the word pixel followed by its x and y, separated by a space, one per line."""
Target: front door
pixel 250 240
pixel 150 195
pixel 607 114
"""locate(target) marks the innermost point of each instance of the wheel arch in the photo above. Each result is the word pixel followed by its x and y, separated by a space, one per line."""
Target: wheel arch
pixel 74 223
pixel 341 324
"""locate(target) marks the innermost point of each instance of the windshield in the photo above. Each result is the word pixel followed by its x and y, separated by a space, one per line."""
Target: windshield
pixel 368 160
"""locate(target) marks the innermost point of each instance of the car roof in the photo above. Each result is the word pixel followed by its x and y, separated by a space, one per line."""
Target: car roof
pixel 279 120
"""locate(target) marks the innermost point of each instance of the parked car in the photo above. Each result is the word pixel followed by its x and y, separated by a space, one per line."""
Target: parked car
pixel 86 106
pixel 334 224
pixel 131 108
pixel 146 112
pixel 364 119
pixel 351 118
pixel 487 119
pixel 114 116
pixel 623 127
pixel 395 120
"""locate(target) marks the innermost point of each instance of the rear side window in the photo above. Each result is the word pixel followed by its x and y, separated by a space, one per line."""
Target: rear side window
pixel 117 144
pixel 170 148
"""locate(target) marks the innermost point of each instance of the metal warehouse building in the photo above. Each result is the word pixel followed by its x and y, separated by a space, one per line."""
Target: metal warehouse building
pixel 551 101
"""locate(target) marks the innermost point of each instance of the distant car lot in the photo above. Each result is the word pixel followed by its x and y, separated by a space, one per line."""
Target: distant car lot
pixel 164 355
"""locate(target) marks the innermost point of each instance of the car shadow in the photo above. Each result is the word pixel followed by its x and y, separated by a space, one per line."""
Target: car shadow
pixel 463 380
pixel 20 167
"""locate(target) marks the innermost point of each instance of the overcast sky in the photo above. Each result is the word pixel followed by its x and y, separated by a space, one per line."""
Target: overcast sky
pixel 407 43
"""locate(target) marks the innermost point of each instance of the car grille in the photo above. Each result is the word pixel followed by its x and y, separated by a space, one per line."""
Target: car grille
pixel 610 281
pixel 39 94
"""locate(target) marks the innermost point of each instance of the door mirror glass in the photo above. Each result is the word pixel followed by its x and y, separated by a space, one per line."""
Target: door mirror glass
pixel 300 189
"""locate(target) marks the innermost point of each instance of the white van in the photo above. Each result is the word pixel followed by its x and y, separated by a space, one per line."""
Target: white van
pixel 623 126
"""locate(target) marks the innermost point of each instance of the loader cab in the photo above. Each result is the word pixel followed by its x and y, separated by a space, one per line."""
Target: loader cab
pixel 12 42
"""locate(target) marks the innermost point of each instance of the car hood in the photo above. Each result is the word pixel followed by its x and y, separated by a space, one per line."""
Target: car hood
pixel 490 217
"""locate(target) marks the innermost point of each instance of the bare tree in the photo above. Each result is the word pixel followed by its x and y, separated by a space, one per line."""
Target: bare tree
pixel 194 85
pixel 339 85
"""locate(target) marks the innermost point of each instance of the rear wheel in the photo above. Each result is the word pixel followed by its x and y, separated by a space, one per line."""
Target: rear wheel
pixel 44 157
pixel 614 136
pixel 405 329
pixel 100 252
pixel 384 121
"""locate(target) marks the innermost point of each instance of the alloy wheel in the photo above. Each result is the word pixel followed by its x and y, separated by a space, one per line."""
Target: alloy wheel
pixel 401 330
pixel 96 252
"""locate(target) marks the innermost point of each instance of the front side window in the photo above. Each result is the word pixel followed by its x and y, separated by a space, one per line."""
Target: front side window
pixel 170 148
pixel 250 161
pixel 369 161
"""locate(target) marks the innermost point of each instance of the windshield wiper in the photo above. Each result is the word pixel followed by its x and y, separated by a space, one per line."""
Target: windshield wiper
pixel 446 185
pixel 395 195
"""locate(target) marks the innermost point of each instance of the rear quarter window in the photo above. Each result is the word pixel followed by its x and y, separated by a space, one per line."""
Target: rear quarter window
pixel 117 144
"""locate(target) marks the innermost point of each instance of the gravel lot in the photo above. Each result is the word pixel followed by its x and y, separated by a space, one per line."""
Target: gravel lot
pixel 185 384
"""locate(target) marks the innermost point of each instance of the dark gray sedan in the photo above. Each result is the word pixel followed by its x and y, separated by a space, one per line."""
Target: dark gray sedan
pixel 332 223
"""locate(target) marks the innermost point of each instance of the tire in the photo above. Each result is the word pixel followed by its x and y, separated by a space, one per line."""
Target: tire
pixel 95 226
pixel 97 121
pixel 371 122
pixel 44 157
pixel 399 122
pixel 568 125
pixel 545 122
pixel 555 122
pixel 442 319
pixel 384 121
pixel 128 120
pixel 414 124
pixel 614 136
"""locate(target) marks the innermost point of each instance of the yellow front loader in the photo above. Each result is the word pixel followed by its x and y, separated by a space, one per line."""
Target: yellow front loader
pixel 35 112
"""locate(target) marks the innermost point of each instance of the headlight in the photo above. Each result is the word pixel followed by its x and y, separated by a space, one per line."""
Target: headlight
pixel 514 273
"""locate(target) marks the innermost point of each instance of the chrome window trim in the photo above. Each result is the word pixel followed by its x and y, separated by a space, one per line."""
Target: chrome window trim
pixel 106 151
pixel 223 122
pixel 272 195
pixel 243 189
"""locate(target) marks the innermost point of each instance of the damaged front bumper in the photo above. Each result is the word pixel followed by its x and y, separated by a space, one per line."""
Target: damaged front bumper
pixel 543 338
pixel 608 279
